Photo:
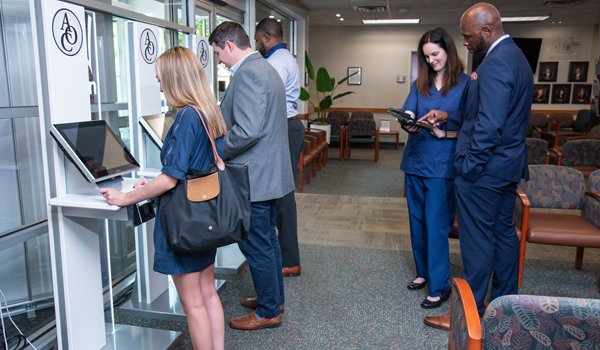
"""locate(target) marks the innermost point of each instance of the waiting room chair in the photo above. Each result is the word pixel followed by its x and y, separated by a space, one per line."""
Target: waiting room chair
pixel 537 122
pixel 583 155
pixel 554 187
pixel 593 133
pixel 339 128
pixel 561 127
pixel 537 151
pixel 524 322
pixel 362 131
pixel 465 327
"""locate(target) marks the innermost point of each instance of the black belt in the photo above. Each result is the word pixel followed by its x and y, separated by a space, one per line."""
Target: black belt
pixel 293 118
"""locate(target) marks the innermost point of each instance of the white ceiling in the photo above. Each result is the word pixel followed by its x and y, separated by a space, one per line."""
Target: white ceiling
pixel 438 12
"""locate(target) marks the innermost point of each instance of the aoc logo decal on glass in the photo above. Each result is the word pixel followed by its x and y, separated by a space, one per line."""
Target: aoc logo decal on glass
pixel 67 32
pixel 202 52
pixel 148 46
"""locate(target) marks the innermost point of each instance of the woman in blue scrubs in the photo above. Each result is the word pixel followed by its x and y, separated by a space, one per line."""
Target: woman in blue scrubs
pixel 427 162
pixel 186 146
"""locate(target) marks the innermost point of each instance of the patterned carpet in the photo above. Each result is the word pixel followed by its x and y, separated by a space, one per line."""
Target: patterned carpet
pixel 355 298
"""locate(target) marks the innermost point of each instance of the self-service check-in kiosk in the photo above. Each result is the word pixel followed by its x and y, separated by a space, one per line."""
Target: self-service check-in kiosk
pixel 85 154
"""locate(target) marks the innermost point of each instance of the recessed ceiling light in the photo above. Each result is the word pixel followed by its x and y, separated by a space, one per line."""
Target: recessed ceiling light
pixel 338 15
pixel 271 16
pixel 391 21
pixel 524 19
pixel 278 20
pixel 341 18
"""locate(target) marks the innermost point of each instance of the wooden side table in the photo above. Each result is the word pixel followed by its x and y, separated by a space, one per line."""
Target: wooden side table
pixel 392 132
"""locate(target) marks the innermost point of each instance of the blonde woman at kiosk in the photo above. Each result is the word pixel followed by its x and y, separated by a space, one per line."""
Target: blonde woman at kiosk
pixel 186 146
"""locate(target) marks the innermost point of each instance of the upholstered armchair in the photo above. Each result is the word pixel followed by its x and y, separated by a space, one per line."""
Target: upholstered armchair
pixel 363 131
pixel 560 127
pixel 537 122
pixel 554 187
pixel 594 133
pixel 523 322
pixel 537 151
pixel 583 155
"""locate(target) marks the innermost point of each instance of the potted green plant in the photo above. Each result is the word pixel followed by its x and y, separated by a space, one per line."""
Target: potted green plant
pixel 325 86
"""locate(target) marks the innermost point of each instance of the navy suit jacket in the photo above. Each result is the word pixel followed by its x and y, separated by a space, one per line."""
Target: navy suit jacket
pixel 497 110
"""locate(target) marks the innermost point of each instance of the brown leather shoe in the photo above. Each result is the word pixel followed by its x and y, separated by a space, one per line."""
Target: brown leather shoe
pixel 251 303
pixel 440 322
pixel 291 271
pixel 249 322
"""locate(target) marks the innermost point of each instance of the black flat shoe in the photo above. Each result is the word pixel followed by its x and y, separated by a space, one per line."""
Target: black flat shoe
pixel 428 304
pixel 416 286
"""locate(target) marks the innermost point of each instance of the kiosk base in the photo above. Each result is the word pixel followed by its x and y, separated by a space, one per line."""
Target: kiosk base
pixel 131 337
pixel 166 306
pixel 230 260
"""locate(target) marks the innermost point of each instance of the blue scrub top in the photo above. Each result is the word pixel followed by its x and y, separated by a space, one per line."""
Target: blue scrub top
pixel 425 155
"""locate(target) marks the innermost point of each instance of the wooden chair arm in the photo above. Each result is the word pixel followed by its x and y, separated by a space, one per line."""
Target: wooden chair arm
pixel 558 153
pixel 595 195
pixel 579 137
pixel 525 211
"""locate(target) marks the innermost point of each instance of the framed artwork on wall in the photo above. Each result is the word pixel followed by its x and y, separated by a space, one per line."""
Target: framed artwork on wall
pixel 578 71
pixel 354 75
pixel 581 94
pixel 561 93
pixel 541 93
pixel 547 71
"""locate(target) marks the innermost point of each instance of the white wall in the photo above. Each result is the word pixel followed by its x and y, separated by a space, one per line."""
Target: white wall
pixel 384 52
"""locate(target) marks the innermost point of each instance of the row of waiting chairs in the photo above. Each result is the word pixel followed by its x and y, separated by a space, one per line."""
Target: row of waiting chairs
pixel 313 157
pixel 580 152
pixel 558 127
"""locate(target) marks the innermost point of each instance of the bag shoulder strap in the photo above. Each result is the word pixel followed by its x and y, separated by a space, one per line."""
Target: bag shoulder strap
pixel 218 161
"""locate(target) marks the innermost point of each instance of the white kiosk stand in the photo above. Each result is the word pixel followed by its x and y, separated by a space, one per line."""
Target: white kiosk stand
pixel 76 211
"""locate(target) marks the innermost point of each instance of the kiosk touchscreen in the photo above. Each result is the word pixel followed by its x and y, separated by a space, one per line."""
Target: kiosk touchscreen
pixel 157 126
pixel 95 149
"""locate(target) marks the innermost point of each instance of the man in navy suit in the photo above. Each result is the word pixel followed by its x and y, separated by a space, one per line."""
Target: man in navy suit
pixel 490 157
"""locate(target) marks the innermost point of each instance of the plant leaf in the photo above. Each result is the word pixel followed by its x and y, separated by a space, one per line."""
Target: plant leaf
pixel 342 95
pixel 346 78
pixel 324 82
pixel 325 103
pixel 304 94
pixel 310 69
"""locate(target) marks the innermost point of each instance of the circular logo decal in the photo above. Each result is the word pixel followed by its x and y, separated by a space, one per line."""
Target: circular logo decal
pixel 148 45
pixel 202 52
pixel 67 32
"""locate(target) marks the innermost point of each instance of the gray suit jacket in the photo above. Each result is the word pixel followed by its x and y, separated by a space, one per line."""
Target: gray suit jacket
pixel 254 110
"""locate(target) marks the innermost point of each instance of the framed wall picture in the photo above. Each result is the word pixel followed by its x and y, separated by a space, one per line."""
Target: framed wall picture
pixel 355 76
pixel 578 71
pixel 561 93
pixel 541 93
pixel 547 71
pixel 581 94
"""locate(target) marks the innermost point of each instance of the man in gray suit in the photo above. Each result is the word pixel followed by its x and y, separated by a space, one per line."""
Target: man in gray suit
pixel 254 109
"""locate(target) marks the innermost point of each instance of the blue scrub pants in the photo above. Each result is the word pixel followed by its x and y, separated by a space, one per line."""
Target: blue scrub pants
pixel 263 253
pixel 431 213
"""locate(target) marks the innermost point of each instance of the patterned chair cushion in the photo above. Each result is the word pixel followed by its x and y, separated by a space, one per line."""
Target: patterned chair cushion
pixel 361 127
pixel 581 153
pixel 539 322
pixel 361 115
pixel 554 186
pixel 537 150
pixel 594 180
pixel 342 116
